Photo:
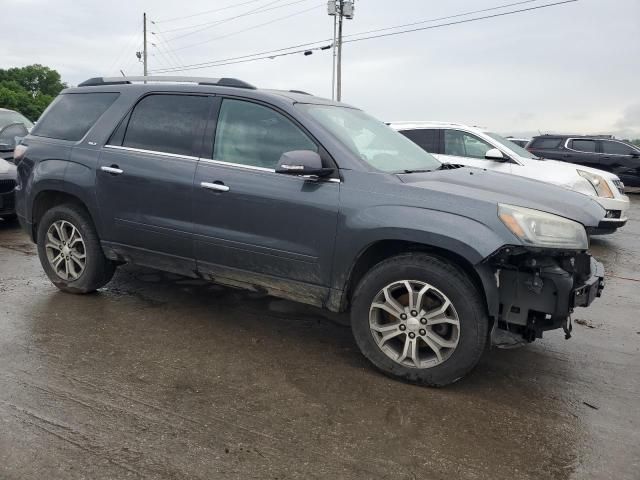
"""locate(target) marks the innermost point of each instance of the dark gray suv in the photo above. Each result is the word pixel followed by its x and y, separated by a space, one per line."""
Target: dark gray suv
pixel 309 200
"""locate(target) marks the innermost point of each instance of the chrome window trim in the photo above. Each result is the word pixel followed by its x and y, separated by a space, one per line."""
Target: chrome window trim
pixel 570 139
pixel 257 169
pixel 617 141
pixel 207 160
pixel 152 152
pixel 237 165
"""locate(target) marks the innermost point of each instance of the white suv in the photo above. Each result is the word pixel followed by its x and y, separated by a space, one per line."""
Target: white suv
pixel 477 147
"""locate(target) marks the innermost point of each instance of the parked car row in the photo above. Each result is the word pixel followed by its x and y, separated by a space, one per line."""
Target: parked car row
pixel 476 147
pixel 13 128
pixel 311 200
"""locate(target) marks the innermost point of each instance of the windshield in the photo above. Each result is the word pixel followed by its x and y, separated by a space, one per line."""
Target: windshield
pixel 371 140
pixel 512 146
pixel 9 117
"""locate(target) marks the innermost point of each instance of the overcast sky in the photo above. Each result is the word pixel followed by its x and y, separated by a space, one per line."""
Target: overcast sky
pixel 569 68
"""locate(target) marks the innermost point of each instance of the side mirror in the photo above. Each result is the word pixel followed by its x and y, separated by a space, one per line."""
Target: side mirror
pixel 495 154
pixel 302 163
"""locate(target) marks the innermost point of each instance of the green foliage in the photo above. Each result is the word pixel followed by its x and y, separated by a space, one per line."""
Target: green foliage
pixel 29 90
pixel 636 141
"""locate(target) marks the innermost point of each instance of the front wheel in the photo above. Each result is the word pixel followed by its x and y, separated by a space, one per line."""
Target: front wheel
pixel 420 319
pixel 70 251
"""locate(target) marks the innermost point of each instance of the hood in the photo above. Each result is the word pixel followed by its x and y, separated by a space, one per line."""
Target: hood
pixel 7 170
pixel 573 166
pixel 492 187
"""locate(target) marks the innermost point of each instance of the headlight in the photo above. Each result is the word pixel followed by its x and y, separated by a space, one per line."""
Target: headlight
pixel 541 229
pixel 600 185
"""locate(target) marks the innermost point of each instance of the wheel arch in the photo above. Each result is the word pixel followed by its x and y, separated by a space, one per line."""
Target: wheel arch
pixel 380 250
pixel 48 198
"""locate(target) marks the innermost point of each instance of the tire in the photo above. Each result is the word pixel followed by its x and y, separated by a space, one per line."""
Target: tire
pixel 466 340
pixel 97 270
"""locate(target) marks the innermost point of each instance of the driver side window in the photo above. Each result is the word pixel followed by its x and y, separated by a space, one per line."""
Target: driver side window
pixel 255 135
pixel 461 144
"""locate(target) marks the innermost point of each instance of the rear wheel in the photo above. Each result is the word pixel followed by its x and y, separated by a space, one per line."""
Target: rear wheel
pixel 419 318
pixel 70 251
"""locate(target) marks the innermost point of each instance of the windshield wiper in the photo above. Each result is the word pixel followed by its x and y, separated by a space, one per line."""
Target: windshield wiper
pixel 449 166
pixel 424 170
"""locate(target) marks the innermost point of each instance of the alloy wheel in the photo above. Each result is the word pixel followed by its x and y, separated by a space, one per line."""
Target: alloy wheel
pixel 66 251
pixel 414 324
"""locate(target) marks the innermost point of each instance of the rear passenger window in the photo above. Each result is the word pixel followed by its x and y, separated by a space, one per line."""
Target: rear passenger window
pixel 588 146
pixel 546 143
pixel 168 124
pixel 251 134
pixel 615 148
pixel 427 139
pixel 71 116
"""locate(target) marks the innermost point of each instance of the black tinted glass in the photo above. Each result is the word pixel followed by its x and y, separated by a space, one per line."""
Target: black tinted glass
pixel 425 138
pixel 168 123
pixel 546 142
pixel 588 146
pixel 616 148
pixel 71 116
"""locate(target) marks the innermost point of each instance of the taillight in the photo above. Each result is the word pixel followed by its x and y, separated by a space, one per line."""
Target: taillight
pixel 18 153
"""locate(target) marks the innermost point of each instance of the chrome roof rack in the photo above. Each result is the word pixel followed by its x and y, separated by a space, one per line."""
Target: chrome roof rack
pixel 221 82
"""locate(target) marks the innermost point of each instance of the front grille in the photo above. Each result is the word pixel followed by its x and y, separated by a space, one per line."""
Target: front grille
pixel 8 203
pixel 7 186
pixel 619 185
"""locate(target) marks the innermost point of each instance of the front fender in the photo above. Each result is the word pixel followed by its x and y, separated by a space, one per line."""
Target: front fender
pixel 462 236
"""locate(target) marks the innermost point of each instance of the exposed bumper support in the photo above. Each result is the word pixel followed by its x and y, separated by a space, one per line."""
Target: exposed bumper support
pixel 538 291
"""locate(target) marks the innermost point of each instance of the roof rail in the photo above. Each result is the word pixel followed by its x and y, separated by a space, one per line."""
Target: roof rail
pixel 221 82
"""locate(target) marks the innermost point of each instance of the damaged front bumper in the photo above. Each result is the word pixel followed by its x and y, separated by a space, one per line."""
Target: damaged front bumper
pixel 537 290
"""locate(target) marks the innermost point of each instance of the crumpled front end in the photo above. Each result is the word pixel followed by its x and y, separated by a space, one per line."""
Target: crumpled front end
pixel 538 289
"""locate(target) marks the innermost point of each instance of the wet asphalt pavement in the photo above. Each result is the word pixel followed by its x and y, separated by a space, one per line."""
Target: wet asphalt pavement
pixel 157 376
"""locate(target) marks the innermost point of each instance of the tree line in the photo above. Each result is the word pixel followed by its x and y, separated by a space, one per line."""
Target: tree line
pixel 29 90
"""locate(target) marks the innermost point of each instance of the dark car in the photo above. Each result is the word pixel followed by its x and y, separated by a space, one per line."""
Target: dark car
pixel 604 153
pixel 13 127
pixel 7 190
pixel 306 199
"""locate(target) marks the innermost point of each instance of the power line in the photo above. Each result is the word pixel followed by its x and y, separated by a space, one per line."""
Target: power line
pixel 267 54
pixel 208 25
pixel 162 41
pixel 207 11
pixel 495 15
pixel 443 18
pixel 306 51
pixel 248 28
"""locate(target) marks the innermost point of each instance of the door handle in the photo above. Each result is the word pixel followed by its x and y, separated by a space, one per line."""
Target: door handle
pixel 113 169
pixel 219 187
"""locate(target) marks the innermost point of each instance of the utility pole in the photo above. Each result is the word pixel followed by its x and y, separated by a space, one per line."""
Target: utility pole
pixel 144 48
pixel 340 9
pixel 333 60
pixel 339 67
